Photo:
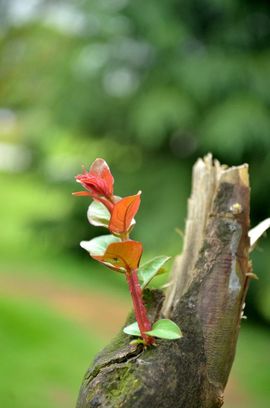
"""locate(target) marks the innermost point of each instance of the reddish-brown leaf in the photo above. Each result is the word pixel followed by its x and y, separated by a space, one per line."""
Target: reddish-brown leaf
pixel 82 193
pixel 123 213
pixel 122 256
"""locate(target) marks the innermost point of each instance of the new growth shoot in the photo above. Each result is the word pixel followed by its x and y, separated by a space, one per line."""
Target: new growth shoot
pixel 118 251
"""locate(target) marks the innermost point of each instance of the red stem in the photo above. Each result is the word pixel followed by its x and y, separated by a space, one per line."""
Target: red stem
pixel 108 204
pixel 136 294
pixel 138 305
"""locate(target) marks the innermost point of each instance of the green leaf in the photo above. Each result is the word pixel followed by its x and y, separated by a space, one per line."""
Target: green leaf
pixel 150 269
pixel 98 246
pixel 132 329
pixel 165 329
pixel 98 214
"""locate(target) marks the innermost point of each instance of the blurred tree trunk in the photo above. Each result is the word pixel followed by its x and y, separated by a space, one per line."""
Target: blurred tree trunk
pixel 205 297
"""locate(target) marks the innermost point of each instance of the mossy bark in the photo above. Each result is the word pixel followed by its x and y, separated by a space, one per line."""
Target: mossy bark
pixel 205 297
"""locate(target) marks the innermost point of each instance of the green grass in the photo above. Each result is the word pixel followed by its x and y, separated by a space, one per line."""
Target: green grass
pixel 43 356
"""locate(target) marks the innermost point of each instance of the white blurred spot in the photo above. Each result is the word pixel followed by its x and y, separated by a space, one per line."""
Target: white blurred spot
pixel 91 59
pixel 120 82
pixel 14 158
pixel 65 17
pixel 22 11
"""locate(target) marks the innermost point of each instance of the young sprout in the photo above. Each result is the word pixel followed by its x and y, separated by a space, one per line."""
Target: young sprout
pixel 119 252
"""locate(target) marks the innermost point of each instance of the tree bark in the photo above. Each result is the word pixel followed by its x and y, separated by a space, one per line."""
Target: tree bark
pixel 205 297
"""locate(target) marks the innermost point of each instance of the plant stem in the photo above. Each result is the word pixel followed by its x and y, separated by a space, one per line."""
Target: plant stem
pixel 137 297
pixel 138 305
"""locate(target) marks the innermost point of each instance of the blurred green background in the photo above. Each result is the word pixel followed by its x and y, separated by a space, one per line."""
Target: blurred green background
pixel 149 86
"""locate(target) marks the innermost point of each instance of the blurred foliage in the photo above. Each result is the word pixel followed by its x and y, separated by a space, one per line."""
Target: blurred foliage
pixel 149 86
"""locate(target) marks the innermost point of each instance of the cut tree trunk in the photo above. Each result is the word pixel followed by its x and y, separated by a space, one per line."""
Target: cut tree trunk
pixel 205 297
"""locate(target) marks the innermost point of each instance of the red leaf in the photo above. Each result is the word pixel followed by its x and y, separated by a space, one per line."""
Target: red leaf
pixel 100 168
pixel 99 180
pixel 122 255
pixel 123 213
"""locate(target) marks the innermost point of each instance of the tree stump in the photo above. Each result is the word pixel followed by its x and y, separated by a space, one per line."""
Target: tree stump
pixel 205 297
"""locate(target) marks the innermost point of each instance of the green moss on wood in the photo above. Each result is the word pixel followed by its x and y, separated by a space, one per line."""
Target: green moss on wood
pixel 120 383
